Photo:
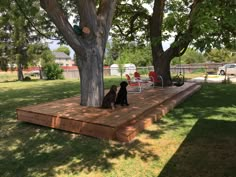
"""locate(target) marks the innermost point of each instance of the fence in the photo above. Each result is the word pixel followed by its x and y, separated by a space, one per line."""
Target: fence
pixel 186 68
pixel 201 67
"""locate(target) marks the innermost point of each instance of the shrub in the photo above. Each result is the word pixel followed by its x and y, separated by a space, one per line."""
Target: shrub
pixel 143 71
pixel 199 70
pixel 53 71
pixel 27 78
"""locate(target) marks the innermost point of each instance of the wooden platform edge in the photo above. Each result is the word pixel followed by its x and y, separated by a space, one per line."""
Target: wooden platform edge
pixel 129 131
pixel 124 132
pixel 75 126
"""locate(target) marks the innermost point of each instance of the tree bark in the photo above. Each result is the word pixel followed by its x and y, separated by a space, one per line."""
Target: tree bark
pixel 161 65
pixel 89 48
pixel 91 78
pixel 161 58
pixel 20 72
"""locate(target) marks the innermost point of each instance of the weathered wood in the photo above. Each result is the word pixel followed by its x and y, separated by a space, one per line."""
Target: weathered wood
pixel 128 132
pixel 123 124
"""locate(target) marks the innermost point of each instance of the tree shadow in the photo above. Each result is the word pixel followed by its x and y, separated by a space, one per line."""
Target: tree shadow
pixel 217 101
pixel 30 150
pixel 208 150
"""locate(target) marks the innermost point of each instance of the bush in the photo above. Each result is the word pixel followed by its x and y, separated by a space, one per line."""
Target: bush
pixel 27 78
pixel 199 70
pixel 53 71
pixel 143 71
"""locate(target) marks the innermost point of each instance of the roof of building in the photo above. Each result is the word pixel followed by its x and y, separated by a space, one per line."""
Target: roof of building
pixel 61 55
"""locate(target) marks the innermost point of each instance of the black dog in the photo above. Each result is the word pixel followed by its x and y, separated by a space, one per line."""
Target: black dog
pixel 122 94
pixel 110 98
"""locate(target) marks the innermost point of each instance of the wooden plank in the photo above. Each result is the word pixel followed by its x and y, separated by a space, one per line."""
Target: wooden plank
pixel 98 131
pixel 113 118
pixel 128 132
pixel 71 125
pixel 34 118
pixel 124 123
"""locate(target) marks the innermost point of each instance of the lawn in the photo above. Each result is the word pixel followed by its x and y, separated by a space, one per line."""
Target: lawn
pixel 8 76
pixel 197 138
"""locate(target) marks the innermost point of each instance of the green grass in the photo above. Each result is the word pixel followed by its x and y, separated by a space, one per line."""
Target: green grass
pixel 197 138
pixel 8 76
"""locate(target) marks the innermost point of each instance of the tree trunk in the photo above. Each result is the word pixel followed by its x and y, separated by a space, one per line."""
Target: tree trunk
pixel 40 73
pixel 162 67
pixel 20 72
pixel 91 78
pixel 90 46
pixel 161 58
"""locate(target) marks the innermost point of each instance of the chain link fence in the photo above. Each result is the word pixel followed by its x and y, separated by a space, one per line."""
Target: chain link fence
pixel 184 68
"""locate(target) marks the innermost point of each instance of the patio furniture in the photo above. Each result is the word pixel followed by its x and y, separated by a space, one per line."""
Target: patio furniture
pixel 155 78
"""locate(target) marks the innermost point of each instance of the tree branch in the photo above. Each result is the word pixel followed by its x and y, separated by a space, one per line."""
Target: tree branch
pixel 105 15
pixel 88 16
pixel 182 39
pixel 58 17
pixel 156 24
pixel 121 31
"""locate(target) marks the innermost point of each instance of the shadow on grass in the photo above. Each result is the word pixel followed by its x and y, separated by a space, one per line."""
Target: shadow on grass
pixel 19 95
pixel 37 151
pixel 214 101
pixel 208 150
pixel 31 150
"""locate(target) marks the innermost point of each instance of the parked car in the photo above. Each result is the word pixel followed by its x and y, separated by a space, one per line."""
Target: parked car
pixel 34 73
pixel 228 69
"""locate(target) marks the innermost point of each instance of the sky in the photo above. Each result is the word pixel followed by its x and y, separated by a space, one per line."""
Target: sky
pixel 53 45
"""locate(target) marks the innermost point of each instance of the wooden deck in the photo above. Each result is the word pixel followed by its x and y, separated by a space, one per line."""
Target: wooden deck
pixel 122 124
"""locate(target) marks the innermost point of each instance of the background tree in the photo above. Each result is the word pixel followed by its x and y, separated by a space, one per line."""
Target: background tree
pixel 39 55
pixel 190 56
pixel 220 55
pixel 64 49
pixel 17 31
pixel 94 18
pixel 203 24
pixel 111 54
pixel 130 53
pixel 140 56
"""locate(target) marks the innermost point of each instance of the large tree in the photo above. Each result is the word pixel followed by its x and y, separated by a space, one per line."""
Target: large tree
pixel 17 31
pixel 202 23
pixel 95 19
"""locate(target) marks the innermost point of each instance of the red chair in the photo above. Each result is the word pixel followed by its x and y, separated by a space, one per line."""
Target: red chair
pixel 133 83
pixel 137 76
pixel 155 78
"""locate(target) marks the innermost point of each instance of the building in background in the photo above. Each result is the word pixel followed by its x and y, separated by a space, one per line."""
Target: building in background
pixel 115 69
pixel 63 59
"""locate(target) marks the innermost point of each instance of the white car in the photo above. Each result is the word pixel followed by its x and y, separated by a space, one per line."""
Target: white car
pixel 34 73
pixel 228 69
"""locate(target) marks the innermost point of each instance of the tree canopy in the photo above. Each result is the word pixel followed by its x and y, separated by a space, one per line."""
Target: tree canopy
pixel 208 23
pixel 189 57
pixel 220 55
pixel 199 23
pixel 93 19
pixel 64 49
pixel 203 24
pixel 18 22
